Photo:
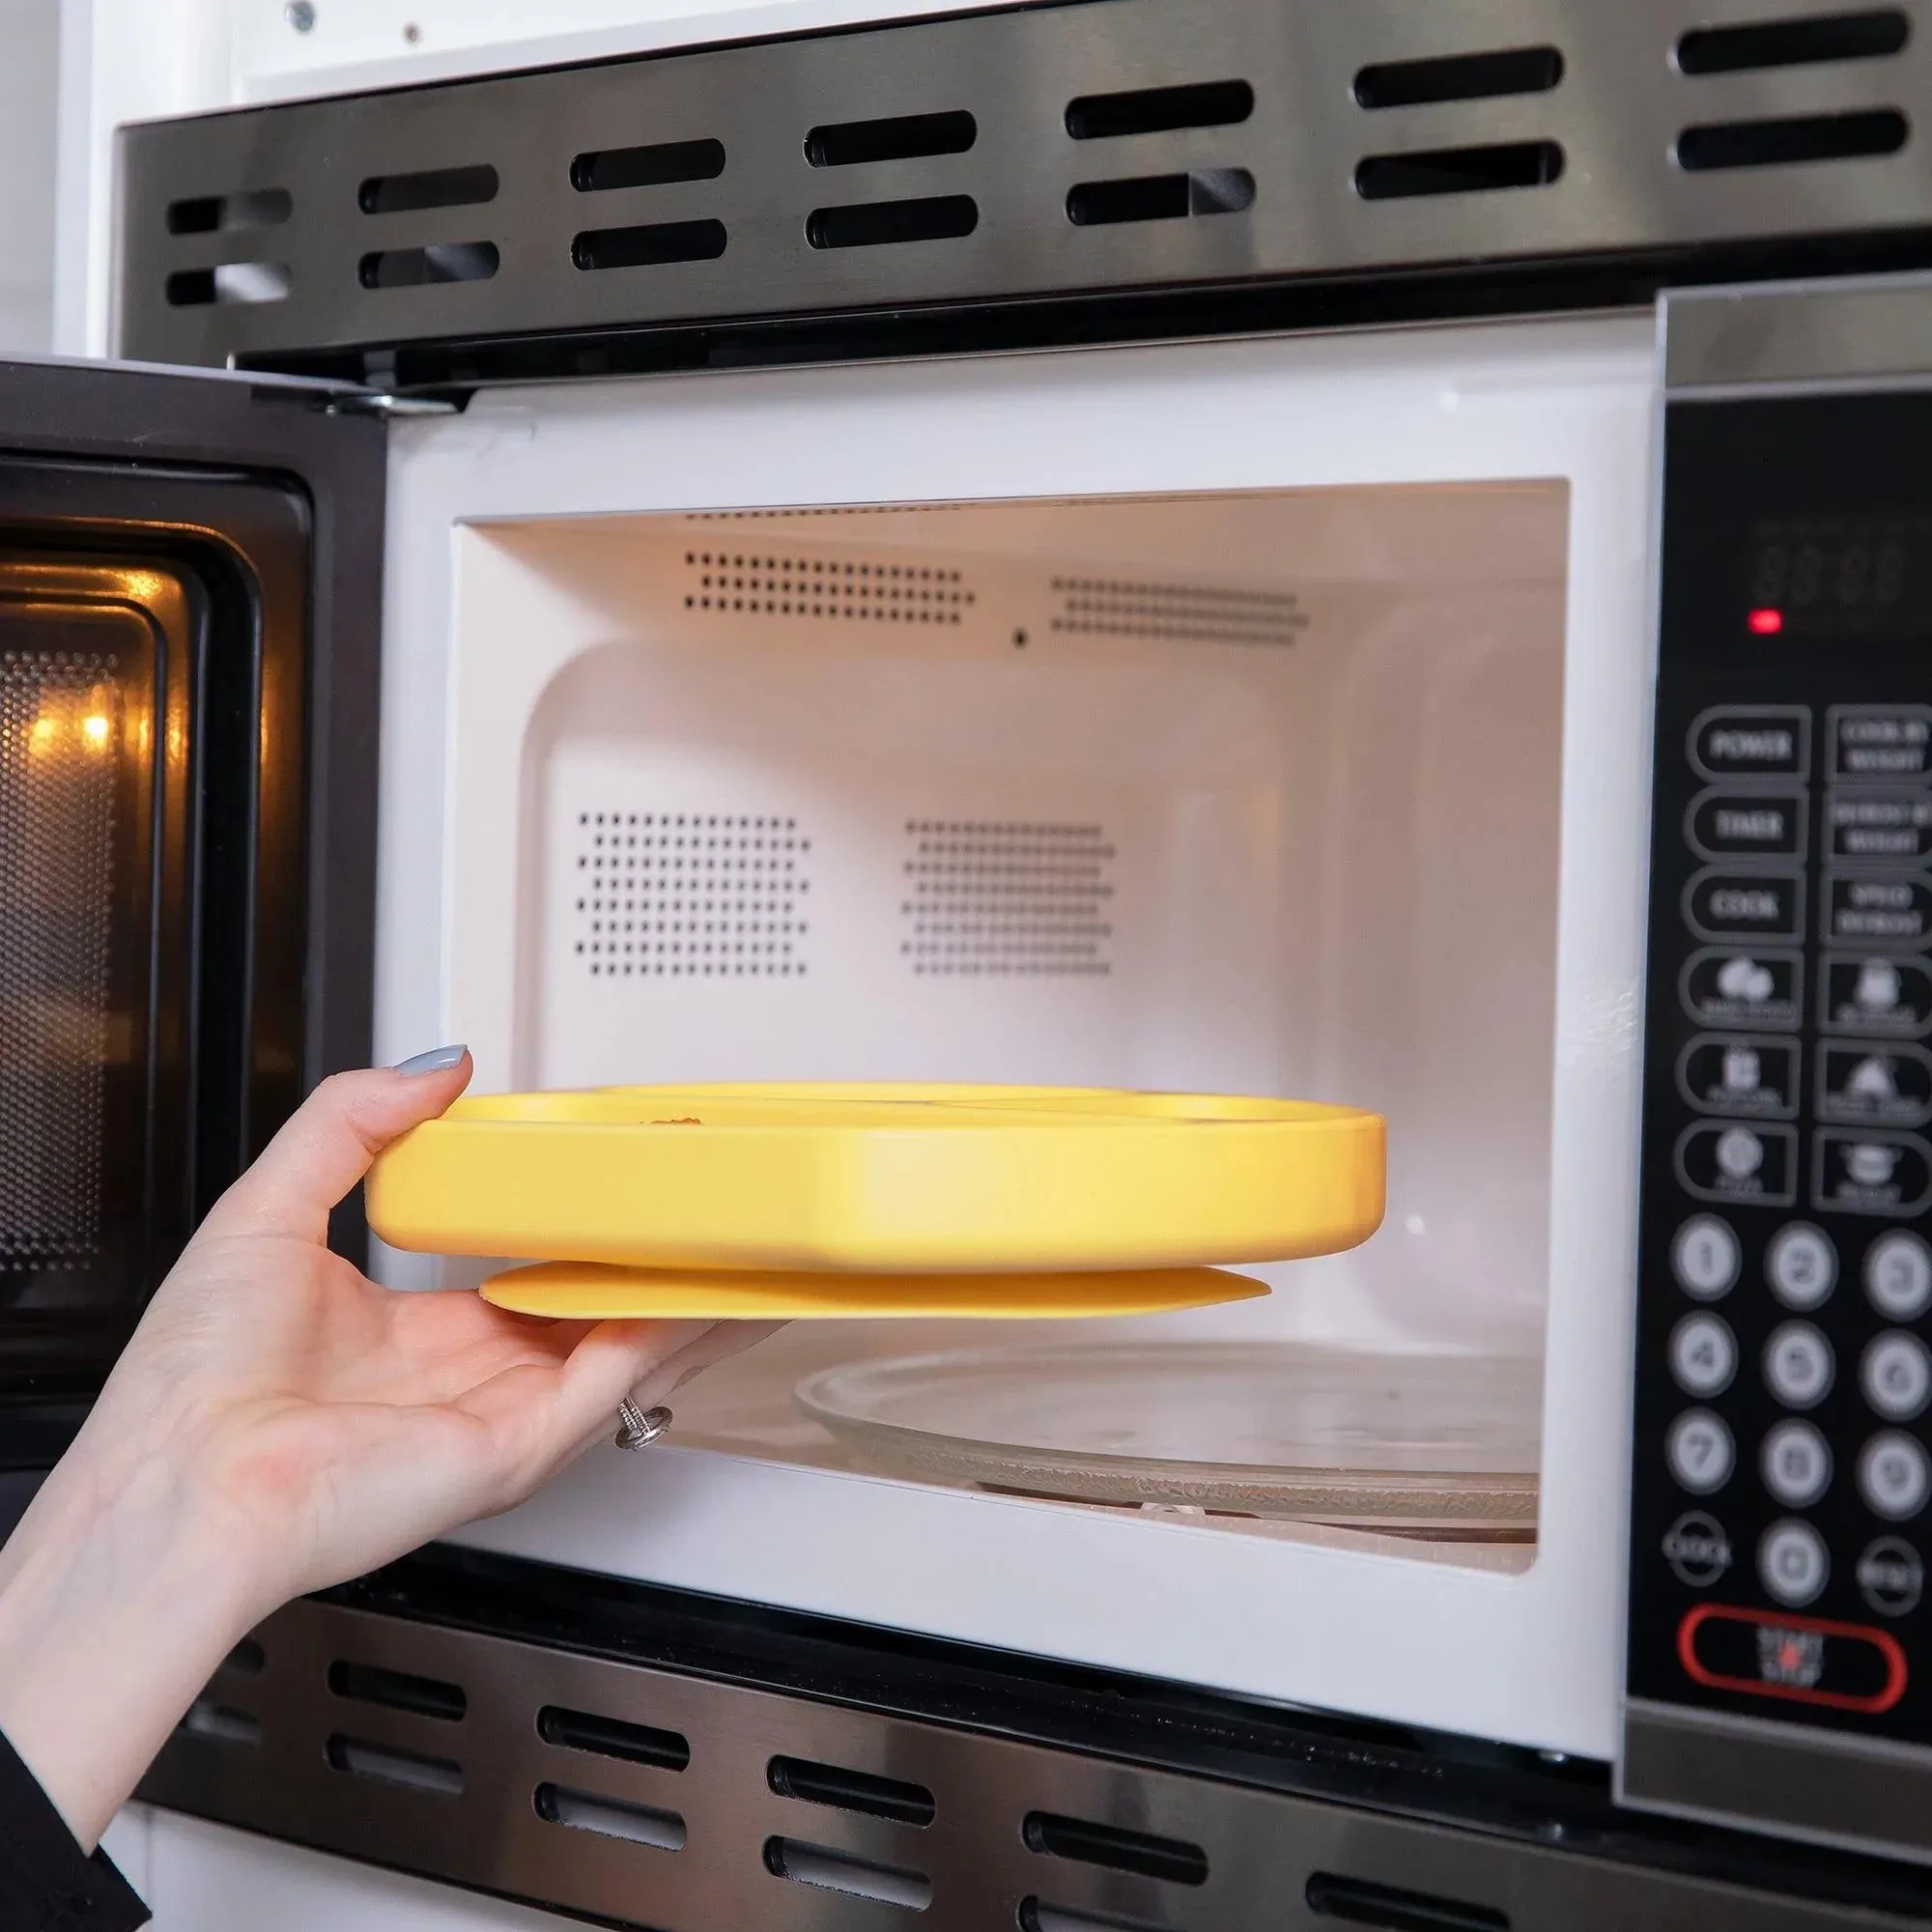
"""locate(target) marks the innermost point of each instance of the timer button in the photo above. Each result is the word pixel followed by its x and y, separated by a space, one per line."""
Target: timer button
pixel 1895 1374
pixel 1703 1354
pixel 1704 1258
pixel 1893 1476
pixel 1796 1463
pixel 1746 825
pixel 1793 1563
pixel 1701 1452
pixel 1797 1365
pixel 1801 1265
pixel 1898 1276
pixel 1752 741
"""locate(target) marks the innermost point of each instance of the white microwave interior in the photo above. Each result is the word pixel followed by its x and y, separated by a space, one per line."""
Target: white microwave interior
pixel 1250 792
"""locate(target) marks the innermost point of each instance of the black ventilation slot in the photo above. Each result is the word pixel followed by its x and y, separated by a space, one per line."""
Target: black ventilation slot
pixel 1035 1915
pixel 226 213
pixel 1358 1902
pixel 1805 137
pixel 872 224
pixel 397 1690
pixel 230 284
pixel 840 1871
pixel 1421 83
pixel 611 1737
pixel 651 246
pixel 383 1764
pixel 439 262
pixel 851 1790
pixel 1173 1860
pixel 248 1657
pixel 432 188
pixel 907 137
pixel 1159 110
pixel 1161 197
pixel 1807 41
pixel 634 1824
pixel 221 1724
pixel 656 166
pixel 1459 170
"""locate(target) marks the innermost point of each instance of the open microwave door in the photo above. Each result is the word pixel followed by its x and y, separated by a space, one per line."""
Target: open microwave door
pixel 189 596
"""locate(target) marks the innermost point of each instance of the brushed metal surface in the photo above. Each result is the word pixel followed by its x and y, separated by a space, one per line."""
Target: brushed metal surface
pixel 1869 332
pixel 1616 114
pixel 1261 1848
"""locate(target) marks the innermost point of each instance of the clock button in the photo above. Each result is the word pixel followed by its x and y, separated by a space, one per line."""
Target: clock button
pixel 1796 1463
pixel 1895 1374
pixel 1700 1451
pixel 1793 1563
pixel 1801 1264
pixel 1704 1256
pixel 1893 1476
pixel 1898 1275
pixel 1797 1365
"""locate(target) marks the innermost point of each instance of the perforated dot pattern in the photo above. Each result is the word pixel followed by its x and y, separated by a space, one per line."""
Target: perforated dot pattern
pixel 997 898
pixel 760 585
pixel 1178 612
pixel 664 895
pixel 59 734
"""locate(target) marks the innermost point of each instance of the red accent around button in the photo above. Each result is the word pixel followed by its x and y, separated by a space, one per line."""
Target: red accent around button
pixel 1882 1642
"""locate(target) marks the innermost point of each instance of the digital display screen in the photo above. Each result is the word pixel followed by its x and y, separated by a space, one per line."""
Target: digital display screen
pixel 1850 577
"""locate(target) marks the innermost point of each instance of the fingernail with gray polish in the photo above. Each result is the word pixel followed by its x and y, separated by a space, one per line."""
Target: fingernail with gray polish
pixel 438 1060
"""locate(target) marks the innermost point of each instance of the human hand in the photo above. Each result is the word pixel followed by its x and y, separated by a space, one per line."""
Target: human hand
pixel 278 1423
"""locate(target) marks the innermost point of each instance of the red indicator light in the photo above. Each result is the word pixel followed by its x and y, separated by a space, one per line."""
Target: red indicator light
pixel 1766 623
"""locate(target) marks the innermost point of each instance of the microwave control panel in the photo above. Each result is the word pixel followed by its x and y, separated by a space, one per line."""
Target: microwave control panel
pixel 1781 1499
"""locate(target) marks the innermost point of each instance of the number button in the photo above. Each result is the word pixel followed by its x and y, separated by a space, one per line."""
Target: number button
pixel 1797 1365
pixel 1704 1256
pixel 1801 1265
pixel 1897 1375
pixel 1700 1451
pixel 1796 1463
pixel 1898 1276
pixel 1793 1563
pixel 1893 1476
pixel 1703 1354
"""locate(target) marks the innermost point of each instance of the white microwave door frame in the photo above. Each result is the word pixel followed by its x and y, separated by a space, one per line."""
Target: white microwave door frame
pixel 1533 1659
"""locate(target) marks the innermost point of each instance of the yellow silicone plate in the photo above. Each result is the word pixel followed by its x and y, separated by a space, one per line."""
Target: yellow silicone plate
pixel 585 1291
pixel 884 1179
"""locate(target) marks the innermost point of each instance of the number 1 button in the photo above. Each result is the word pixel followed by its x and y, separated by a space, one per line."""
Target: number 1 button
pixel 1704 1256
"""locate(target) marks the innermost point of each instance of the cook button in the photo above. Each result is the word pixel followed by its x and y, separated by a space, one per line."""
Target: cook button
pixel 1890 1577
pixel 1699 1451
pixel 1880 910
pixel 1796 1464
pixel 1876 995
pixel 1898 1276
pixel 1730 1160
pixel 1865 1173
pixel 1881 741
pixel 1888 1084
pixel 1704 1256
pixel 1721 1075
pixel 1893 1476
pixel 1697 1549
pixel 1801 1265
pixel 1792 1562
pixel 1895 1374
pixel 1797 1365
pixel 1703 1354
pixel 1746 825
pixel 1744 905
pixel 1884 826
pixel 1752 741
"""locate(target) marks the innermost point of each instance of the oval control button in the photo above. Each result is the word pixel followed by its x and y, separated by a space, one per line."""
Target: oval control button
pixel 1892 1579
pixel 1797 1365
pixel 1752 741
pixel 1895 1374
pixel 1721 904
pixel 1893 1476
pixel 1801 1264
pixel 1703 1354
pixel 1700 1451
pixel 1704 1256
pixel 1783 1654
pixel 1796 1463
pixel 1793 1563
pixel 1898 1275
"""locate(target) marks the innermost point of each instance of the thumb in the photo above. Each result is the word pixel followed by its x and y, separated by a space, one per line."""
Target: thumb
pixel 328 1142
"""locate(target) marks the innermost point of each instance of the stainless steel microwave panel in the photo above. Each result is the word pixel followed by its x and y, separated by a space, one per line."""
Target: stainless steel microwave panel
pixel 1779 1671
pixel 1066 151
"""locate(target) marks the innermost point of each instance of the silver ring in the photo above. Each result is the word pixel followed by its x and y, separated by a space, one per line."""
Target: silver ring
pixel 642 1426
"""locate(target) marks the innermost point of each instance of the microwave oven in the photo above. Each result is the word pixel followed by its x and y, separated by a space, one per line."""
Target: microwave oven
pixel 1193 547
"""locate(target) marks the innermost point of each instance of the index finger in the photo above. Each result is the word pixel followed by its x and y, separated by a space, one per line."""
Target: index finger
pixel 328 1144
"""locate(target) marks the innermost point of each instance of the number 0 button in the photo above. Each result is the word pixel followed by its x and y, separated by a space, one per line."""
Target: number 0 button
pixel 1898 1276
pixel 1704 1256
pixel 1700 1451
pixel 1793 1563
pixel 1892 1475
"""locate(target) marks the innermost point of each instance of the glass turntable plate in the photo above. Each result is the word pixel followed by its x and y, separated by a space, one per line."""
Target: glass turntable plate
pixel 1415 1442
